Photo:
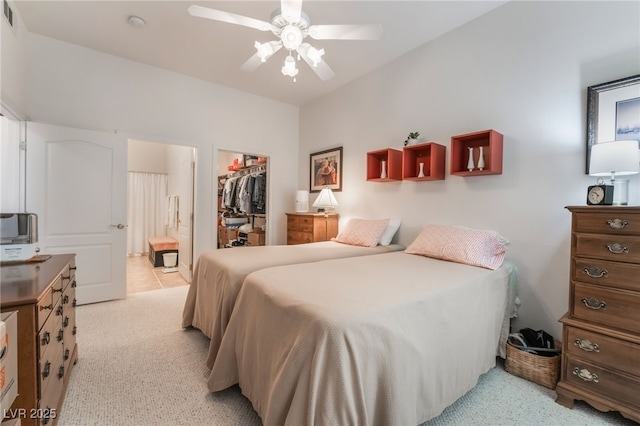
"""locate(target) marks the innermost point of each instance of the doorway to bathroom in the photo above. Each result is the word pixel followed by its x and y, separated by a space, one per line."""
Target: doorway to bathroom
pixel 160 215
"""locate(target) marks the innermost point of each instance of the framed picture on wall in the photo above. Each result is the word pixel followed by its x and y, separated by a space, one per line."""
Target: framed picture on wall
pixel 326 170
pixel 613 112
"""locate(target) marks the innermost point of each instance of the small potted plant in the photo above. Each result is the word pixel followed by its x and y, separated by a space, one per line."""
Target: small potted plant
pixel 412 139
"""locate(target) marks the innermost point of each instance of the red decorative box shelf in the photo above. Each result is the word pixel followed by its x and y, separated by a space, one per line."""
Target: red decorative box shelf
pixel 393 159
pixel 431 154
pixel 491 143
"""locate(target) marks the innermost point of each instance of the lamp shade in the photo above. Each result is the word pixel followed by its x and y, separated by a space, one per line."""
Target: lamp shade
pixel 614 158
pixel 325 199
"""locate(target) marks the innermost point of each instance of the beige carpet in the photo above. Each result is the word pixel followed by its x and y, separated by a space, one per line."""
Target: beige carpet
pixel 137 366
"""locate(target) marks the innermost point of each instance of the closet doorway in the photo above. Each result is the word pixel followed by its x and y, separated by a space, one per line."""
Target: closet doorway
pixel 242 199
pixel 160 206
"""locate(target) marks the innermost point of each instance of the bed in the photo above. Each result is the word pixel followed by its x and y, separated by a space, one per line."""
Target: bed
pixel 219 274
pixel 386 339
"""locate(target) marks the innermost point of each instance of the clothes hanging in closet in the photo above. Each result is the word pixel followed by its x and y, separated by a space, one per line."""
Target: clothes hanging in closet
pixel 245 194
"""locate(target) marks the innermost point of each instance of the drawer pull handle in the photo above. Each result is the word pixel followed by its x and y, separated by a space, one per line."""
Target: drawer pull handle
pixel 68 277
pixel 65 322
pixel 74 284
pixel 585 374
pixel 59 310
pixel 587 346
pixel 594 303
pixel 65 299
pixel 46 338
pixel 595 272
pixel 60 335
pixel 73 268
pixel 617 223
pixel 57 290
pixel 49 306
pixel 66 354
pixel 617 248
pixel 75 330
pixel 46 370
pixel 61 372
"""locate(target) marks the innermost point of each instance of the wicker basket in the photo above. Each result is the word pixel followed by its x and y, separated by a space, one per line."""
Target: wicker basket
pixel 543 370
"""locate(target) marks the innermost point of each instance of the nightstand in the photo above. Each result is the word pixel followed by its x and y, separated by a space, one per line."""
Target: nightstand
pixel 311 227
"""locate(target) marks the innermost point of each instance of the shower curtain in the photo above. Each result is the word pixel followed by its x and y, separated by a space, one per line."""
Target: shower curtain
pixel 146 210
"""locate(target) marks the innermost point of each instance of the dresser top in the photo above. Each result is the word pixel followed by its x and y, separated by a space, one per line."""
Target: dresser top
pixel 604 209
pixel 25 283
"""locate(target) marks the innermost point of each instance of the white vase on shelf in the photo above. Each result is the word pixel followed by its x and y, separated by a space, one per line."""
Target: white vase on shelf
pixel 421 173
pixel 470 163
pixel 481 159
pixel 383 173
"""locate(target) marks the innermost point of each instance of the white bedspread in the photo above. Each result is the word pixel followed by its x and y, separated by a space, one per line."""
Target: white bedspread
pixel 390 339
pixel 219 274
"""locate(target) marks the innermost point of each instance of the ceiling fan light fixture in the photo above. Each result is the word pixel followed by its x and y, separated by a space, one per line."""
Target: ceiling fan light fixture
pixel 291 37
pixel 315 55
pixel 136 21
pixel 265 50
pixel 289 68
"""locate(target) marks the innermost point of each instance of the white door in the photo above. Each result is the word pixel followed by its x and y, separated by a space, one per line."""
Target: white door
pixel 185 218
pixel 77 185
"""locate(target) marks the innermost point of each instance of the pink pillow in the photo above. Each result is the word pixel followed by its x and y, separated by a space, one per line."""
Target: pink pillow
pixel 362 232
pixel 474 247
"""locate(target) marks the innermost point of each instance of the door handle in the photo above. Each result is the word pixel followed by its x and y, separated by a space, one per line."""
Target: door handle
pixel 119 226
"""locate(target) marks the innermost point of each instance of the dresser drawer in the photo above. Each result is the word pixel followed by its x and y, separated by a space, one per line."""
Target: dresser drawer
pixel 51 388
pixel 608 247
pixel 603 350
pixel 606 273
pixel 50 359
pixel 47 336
pixel 611 385
pixel 304 224
pixel 617 222
pixel 616 308
pixel 294 237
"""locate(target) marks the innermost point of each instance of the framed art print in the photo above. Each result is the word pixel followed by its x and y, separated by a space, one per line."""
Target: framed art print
pixel 326 170
pixel 613 112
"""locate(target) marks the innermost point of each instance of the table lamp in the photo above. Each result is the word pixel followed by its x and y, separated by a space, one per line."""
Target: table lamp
pixel 325 201
pixel 616 158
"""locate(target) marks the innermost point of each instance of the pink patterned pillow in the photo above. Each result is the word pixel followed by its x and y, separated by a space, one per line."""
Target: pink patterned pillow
pixel 474 247
pixel 362 232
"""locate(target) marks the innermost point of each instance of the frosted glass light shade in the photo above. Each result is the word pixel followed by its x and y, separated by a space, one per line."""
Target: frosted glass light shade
pixel 325 200
pixel 614 158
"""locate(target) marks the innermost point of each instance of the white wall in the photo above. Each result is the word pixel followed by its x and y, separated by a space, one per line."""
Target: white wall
pixel 147 157
pixel 523 70
pixel 13 78
pixel 78 87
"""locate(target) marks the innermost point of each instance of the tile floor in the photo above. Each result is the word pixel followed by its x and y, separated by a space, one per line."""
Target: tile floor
pixel 142 276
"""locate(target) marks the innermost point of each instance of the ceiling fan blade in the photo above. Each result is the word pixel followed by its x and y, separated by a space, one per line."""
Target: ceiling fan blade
pixel 255 61
pixel 321 68
pixel 232 18
pixel 346 32
pixel 291 10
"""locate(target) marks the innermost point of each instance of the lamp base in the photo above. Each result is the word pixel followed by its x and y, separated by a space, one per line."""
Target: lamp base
pixel 620 192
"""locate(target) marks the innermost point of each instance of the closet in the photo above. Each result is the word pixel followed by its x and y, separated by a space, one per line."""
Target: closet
pixel 242 199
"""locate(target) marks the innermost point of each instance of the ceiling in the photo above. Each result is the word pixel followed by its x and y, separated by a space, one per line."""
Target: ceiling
pixel 214 51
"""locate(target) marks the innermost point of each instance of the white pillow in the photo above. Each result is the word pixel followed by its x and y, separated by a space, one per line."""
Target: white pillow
pixel 362 232
pixel 389 232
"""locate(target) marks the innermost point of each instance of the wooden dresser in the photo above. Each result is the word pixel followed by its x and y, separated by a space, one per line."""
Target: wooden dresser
pixel 601 331
pixel 43 294
pixel 311 227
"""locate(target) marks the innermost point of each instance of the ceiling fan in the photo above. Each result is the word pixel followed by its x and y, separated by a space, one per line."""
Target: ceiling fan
pixel 291 25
